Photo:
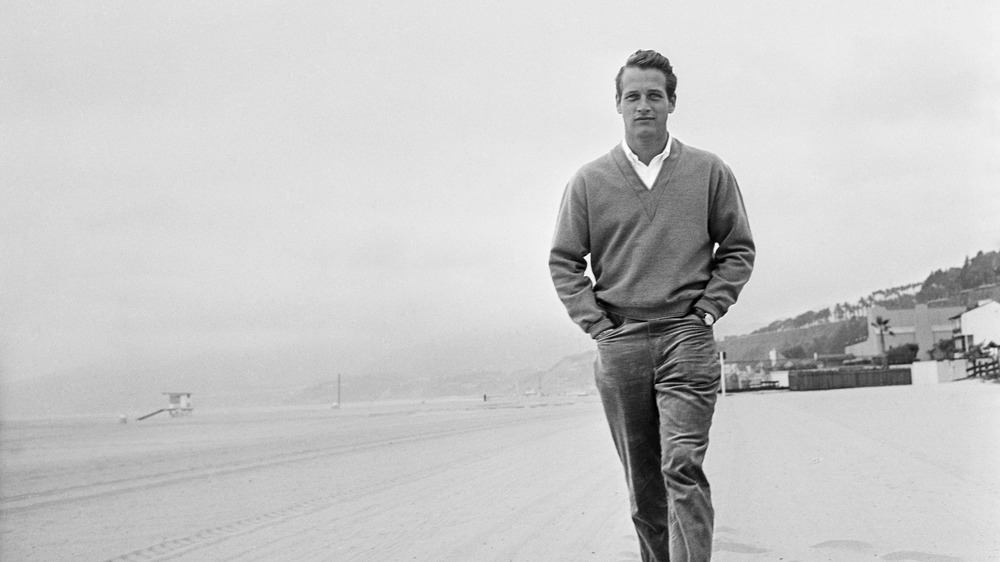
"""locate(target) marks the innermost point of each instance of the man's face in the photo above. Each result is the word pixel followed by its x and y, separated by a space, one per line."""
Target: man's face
pixel 644 105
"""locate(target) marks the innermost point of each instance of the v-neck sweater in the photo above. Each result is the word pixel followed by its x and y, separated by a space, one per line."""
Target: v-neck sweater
pixel 655 253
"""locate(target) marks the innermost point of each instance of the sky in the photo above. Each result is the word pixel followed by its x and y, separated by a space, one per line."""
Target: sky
pixel 376 183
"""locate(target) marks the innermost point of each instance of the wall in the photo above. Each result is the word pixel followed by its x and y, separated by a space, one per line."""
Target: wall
pixel 781 377
pixel 934 372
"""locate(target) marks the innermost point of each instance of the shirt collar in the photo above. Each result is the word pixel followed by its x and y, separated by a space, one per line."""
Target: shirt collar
pixel 656 159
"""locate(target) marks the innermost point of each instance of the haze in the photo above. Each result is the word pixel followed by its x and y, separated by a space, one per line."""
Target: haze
pixel 375 184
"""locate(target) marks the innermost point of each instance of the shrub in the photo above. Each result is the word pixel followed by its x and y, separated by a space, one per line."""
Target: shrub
pixel 903 354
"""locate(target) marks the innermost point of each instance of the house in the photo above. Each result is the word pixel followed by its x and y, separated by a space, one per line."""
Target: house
pixel 978 326
pixel 922 325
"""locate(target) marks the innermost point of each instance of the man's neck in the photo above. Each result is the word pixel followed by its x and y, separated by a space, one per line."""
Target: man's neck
pixel 647 147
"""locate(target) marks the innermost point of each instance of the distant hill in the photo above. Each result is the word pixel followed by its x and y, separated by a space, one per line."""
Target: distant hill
pixel 222 381
pixel 977 279
pixel 824 332
pixel 134 387
pixel 570 375
pixel 302 376
pixel 828 338
pixel 829 330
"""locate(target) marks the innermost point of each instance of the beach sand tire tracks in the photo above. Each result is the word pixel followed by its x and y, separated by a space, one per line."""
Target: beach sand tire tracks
pixel 17 503
pixel 191 545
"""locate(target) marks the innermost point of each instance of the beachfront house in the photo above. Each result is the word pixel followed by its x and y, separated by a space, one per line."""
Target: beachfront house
pixel 977 326
pixel 921 325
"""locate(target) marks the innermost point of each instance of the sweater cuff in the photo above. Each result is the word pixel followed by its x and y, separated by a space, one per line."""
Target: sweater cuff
pixel 710 308
pixel 599 326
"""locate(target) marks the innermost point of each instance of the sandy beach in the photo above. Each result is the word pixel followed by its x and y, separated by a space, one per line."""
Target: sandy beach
pixel 892 473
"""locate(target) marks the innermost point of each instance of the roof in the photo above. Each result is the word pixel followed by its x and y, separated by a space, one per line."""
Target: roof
pixel 982 304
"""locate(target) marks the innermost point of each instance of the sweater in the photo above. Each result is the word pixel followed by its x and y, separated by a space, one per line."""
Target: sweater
pixel 654 253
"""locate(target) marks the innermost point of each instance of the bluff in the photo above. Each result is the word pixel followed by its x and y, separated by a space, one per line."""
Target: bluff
pixel 829 330
pixel 825 339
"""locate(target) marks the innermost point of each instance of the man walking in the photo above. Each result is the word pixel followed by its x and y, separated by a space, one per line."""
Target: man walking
pixel 670 249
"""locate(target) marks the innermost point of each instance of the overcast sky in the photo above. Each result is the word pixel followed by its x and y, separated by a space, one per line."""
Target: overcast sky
pixel 376 182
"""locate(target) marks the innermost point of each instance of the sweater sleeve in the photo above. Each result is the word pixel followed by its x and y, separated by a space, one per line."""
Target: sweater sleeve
pixel 734 257
pixel 567 261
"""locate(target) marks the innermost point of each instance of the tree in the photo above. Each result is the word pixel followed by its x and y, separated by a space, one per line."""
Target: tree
pixel 795 352
pixel 823 315
pixel 882 325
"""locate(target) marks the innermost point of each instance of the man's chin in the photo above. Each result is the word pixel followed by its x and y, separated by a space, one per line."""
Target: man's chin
pixel 648 132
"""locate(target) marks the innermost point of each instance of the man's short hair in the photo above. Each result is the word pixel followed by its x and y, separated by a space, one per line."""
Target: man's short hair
pixel 649 59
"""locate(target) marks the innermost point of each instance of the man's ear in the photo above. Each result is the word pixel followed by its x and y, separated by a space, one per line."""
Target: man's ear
pixel 618 105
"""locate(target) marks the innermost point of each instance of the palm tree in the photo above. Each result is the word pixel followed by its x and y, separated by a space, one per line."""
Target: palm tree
pixel 882 325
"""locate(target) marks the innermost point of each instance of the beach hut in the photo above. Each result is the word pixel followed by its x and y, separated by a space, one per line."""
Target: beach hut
pixel 179 404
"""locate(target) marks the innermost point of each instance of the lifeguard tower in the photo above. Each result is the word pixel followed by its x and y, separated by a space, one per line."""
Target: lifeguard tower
pixel 179 404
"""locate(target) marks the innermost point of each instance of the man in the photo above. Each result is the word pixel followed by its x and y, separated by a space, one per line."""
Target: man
pixel 670 249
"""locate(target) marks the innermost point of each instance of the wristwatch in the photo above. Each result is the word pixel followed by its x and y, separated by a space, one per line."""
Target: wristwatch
pixel 706 317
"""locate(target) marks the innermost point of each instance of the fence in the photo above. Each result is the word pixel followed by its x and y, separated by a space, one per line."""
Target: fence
pixel 759 374
pixel 762 374
pixel 986 368
pixel 847 378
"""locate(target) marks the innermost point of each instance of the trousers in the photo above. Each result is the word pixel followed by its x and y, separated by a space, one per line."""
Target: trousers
pixel 658 382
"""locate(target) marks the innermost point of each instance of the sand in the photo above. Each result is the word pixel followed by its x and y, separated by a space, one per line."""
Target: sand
pixel 892 473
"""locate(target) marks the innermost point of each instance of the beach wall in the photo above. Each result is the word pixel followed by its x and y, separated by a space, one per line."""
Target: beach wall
pixel 831 379
pixel 933 372
pixel 781 377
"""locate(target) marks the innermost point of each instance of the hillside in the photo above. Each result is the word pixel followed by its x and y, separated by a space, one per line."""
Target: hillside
pixel 302 376
pixel 977 279
pixel 825 339
pixel 572 374
pixel 829 330
pixel 136 386
pixel 220 381
pixel 979 272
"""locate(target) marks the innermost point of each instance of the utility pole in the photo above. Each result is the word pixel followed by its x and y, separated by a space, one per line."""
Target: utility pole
pixel 722 370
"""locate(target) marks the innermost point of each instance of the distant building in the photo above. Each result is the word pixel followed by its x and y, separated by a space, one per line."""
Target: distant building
pixel 922 325
pixel 179 402
pixel 978 326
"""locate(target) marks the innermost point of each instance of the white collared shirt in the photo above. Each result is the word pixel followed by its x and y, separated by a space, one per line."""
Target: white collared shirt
pixel 648 173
